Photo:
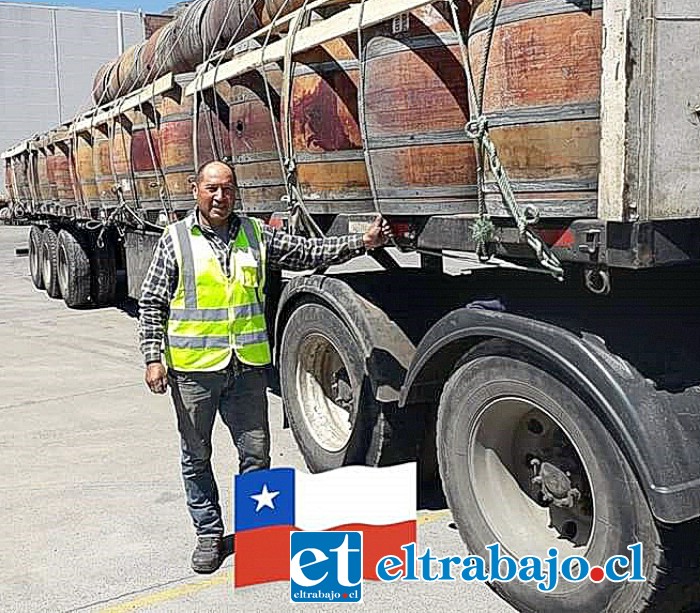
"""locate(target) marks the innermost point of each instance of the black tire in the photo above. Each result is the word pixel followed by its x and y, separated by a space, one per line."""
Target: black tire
pixel 104 271
pixel 320 358
pixel 73 269
pixel 478 422
pixel 36 239
pixel 49 263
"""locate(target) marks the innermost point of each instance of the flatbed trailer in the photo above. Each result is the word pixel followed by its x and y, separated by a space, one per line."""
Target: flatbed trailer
pixel 551 391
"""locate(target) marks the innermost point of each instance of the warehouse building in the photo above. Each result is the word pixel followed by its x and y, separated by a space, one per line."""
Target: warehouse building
pixel 48 58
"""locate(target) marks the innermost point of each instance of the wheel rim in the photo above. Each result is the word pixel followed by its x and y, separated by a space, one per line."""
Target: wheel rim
pixel 510 437
pixel 62 267
pixel 325 393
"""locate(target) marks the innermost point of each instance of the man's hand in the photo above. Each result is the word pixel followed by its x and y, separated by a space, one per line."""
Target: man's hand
pixel 378 234
pixel 156 378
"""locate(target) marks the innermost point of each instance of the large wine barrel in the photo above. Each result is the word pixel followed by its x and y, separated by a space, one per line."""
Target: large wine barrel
pixel 62 177
pixel 82 207
pixel 35 179
pixel 24 178
pixel 125 76
pixel 416 107
pixel 52 162
pixel 326 134
pixel 102 79
pixel 165 45
pixel 176 144
pixel 213 123
pixel 146 161
pixel 225 19
pixel 256 162
pixel 188 50
pixel 148 64
pixel 120 137
pixel 86 186
pixel 184 43
pixel 10 184
pixel 102 163
pixel 542 99
pixel 277 8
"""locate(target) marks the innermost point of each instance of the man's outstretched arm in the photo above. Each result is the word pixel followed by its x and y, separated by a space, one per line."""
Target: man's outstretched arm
pixel 294 252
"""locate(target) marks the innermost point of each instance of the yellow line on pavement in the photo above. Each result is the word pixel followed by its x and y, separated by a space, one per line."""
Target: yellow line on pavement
pixel 189 589
pixel 428 517
pixel 167 595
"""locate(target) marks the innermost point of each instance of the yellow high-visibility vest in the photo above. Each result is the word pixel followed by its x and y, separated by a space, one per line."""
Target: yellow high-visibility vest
pixel 212 315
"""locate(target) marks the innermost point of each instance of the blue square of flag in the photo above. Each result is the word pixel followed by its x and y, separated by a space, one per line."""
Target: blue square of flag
pixel 264 498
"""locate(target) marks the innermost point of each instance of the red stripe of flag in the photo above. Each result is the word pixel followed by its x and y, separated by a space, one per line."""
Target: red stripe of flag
pixel 262 555
pixel 380 541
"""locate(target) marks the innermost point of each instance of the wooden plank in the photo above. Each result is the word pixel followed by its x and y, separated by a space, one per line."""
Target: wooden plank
pixel 58 135
pixel 15 151
pixel 340 24
pixel 121 105
pixel 613 144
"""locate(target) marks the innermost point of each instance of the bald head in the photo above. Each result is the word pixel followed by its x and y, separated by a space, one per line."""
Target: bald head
pixel 215 164
pixel 214 193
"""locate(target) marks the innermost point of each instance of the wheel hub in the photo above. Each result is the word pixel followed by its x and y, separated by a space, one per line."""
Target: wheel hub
pixel 529 479
pixel 326 394
pixel 554 485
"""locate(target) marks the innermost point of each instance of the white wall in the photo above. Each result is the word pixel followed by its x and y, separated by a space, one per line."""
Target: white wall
pixel 48 58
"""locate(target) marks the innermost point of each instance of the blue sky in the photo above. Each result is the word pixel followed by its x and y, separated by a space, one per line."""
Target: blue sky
pixel 147 6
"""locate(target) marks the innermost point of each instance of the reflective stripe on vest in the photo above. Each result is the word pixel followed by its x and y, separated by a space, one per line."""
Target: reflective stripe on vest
pixel 211 315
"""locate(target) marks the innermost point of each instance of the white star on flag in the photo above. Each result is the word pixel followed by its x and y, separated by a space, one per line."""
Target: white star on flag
pixel 265 498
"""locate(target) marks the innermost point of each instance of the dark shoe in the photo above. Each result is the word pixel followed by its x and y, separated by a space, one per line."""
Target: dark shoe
pixel 206 557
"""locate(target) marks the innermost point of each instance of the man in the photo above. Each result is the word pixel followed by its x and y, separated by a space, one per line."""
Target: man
pixel 203 299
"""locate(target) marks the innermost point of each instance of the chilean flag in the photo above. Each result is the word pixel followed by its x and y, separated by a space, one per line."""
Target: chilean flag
pixel 269 504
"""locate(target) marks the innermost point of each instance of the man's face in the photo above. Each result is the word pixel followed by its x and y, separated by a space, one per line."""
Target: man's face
pixel 214 194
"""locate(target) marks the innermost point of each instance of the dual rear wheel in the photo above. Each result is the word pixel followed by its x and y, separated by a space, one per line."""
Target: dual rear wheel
pixel 74 265
pixel 524 461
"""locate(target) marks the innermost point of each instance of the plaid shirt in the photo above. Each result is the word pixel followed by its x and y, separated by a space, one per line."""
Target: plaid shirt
pixel 283 251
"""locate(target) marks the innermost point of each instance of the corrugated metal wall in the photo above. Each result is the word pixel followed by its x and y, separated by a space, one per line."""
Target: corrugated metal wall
pixel 48 57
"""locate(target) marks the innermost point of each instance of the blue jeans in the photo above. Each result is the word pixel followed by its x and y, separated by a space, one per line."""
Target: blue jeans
pixel 239 395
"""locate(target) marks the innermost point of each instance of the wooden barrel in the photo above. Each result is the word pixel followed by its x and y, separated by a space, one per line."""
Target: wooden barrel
pixel 62 175
pixel 224 19
pixel 81 208
pixel 176 144
pixel 543 102
pixel 102 164
pixel 124 78
pixel 326 134
pixel 120 136
pixel 101 81
pixel 23 178
pixel 416 107
pixel 213 124
pixel 165 45
pixel 188 51
pixel 256 162
pixel 148 61
pixel 86 186
pixel 10 185
pixel 277 8
pixel 52 171
pixel 146 161
pixel 34 179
